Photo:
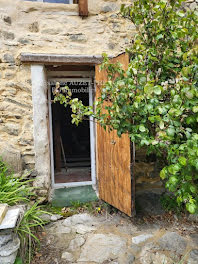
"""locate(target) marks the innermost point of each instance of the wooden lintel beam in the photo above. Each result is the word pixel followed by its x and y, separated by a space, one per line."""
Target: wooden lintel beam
pixel 51 59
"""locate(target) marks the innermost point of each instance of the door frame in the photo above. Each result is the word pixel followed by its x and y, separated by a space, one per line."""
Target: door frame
pixel 92 135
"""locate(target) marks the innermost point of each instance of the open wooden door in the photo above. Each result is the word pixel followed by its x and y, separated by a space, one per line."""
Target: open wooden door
pixel 113 157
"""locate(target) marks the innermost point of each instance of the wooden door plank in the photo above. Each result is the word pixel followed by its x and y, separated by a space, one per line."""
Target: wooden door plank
pixel 83 8
pixel 113 156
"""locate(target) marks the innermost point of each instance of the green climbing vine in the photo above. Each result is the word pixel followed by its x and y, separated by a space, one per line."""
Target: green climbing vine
pixel 155 100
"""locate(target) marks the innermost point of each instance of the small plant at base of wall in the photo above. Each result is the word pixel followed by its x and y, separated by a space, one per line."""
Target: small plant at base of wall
pixel 15 191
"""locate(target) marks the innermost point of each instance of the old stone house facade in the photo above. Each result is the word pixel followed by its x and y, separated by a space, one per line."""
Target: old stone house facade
pixel 46 28
pixel 40 40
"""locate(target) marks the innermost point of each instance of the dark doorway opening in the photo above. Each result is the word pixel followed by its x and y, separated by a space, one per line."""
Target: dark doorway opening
pixel 71 143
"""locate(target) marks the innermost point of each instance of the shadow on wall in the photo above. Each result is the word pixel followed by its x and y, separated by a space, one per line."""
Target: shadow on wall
pixel 149 186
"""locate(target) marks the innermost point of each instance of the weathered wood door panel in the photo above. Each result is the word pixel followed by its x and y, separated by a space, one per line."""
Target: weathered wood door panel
pixel 113 157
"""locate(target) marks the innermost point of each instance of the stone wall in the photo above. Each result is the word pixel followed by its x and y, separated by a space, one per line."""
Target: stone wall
pixel 147 171
pixel 46 28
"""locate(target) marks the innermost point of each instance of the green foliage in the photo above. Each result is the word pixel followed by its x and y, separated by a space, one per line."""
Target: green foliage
pixel 18 261
pixel 13 189
pixel 182 173
pixel 79 111
pixel 95 208
pixel 27 231
pixel 155 100
pixel 169 203
pixel 52 209
pixel 17 190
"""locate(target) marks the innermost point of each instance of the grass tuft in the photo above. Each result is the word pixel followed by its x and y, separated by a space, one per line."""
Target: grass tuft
pixel 18 190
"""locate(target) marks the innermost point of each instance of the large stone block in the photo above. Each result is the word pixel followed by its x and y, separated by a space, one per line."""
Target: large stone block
pixel 9 245
pixel 193 257
pixel 11 157
pixel 8 35
pixel 173 242
pixel 110 7
pixel 78 37
pixel 100 248
pixel 8 58
pixel 12 129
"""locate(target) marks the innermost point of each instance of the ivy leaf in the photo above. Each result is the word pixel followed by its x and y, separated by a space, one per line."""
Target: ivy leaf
pixel 173 169
pixel 190 120
pixel 173 180
pixel 144 142
pixel 142 80
pixel 191 207
pixel 182 161
pixel 195 109
pixel 188 177
pixel 142 128
pixel 170 131
pixel 193 189
pixel 157 90
pixel 163 174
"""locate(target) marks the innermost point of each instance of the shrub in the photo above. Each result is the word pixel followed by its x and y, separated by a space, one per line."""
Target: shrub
pixel 155 100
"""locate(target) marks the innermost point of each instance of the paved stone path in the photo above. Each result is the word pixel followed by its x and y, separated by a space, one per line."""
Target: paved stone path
pixel 86 239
